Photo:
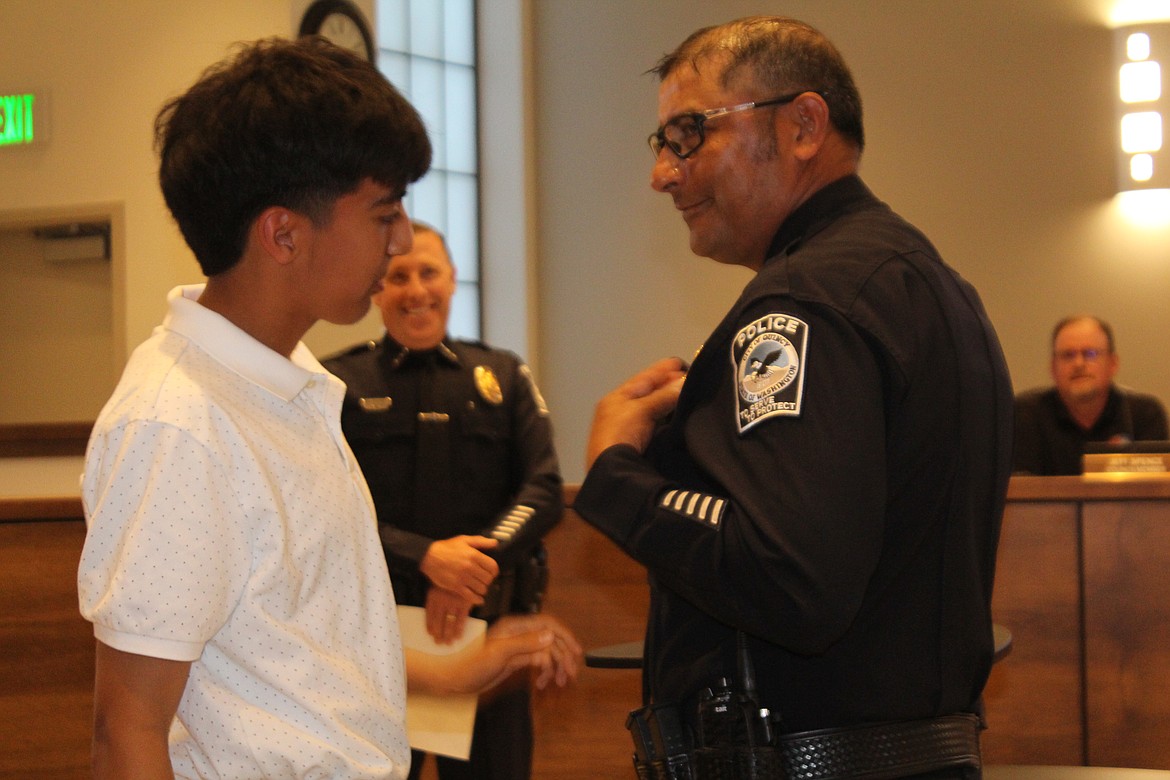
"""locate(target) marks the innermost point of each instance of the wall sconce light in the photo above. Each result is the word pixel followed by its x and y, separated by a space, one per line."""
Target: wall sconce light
pixel 1143 106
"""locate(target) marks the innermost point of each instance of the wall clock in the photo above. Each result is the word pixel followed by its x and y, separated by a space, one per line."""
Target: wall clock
pixel 340 22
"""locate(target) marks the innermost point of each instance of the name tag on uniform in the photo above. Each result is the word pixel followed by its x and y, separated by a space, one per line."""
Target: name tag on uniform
pixel 375 404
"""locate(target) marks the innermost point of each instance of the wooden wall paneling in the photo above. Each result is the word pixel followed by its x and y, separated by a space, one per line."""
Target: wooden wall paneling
pixel 46 653
pixel 1127 609
pixel 600 593
pixel 1033 698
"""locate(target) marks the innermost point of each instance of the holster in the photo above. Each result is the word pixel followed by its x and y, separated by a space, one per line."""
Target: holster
pixel 519 589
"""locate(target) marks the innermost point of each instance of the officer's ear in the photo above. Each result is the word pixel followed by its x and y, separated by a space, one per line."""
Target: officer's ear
pixel 810 113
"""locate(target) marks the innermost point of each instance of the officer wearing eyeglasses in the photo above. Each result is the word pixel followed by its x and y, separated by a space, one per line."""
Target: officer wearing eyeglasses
pixel 1084 405
pixel 820 491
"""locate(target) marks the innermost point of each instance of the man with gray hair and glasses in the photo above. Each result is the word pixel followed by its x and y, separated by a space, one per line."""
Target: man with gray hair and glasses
pixel 817 497
pixel 1054 424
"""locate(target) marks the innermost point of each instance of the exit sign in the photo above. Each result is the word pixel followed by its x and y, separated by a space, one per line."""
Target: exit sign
pixel 16 119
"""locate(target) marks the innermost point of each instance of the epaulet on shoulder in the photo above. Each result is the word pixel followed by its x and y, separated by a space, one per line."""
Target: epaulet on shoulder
pixel 356 349
pixel 489 351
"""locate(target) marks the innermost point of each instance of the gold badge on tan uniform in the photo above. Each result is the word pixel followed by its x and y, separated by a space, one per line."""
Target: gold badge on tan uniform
pixel 488 386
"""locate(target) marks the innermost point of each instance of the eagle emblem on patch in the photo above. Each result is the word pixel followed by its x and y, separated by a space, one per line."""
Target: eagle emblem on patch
pixel 768 357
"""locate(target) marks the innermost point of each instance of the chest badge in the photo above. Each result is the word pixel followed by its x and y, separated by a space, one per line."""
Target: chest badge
pixel 768 357
pixel 488 386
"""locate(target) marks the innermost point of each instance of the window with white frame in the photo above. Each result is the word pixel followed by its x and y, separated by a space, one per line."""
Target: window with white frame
pixel 426 48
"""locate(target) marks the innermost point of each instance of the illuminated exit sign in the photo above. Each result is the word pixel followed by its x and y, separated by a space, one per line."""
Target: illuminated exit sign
pixel 16 119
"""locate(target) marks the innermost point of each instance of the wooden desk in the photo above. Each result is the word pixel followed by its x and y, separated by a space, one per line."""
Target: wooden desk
pixel 1070 773
pixel 1083 582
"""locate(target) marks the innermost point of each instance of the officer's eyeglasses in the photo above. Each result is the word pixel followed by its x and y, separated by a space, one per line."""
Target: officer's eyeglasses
pixel 1089 355
pixel 684 134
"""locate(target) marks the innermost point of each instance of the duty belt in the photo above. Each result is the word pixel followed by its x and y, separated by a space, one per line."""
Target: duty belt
pixel 870 752
pixel 882 751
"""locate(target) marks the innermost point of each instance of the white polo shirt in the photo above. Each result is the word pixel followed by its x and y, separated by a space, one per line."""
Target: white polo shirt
pixel 230 526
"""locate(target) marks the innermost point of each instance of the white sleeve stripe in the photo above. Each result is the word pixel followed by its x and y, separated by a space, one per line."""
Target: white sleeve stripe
pixel 704 508
pixel 511 523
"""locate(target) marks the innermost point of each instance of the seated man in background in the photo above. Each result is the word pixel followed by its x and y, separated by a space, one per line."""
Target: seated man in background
pixel 1054 424
pixel 456 444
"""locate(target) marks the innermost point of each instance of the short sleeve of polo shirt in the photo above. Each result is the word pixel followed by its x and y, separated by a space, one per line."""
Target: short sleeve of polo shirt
pixel 166 556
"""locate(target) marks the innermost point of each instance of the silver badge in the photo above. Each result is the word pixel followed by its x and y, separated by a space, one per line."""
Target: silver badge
pixel 768 359
pixel 488 386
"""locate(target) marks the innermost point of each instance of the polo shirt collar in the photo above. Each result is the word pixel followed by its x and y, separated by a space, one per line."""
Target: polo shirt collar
pixel 234 348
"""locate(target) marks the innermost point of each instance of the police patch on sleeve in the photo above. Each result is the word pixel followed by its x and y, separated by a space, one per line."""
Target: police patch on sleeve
pixel 768 359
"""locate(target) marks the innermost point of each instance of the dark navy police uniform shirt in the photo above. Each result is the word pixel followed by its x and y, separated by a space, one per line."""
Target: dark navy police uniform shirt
pixel 454 440
pixel 831 482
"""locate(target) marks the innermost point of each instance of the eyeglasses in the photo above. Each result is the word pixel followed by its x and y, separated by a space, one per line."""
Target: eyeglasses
pixel 684 134
pixel 1089 355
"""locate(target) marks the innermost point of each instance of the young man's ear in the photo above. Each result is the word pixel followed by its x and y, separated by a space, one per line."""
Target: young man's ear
pixel 277 231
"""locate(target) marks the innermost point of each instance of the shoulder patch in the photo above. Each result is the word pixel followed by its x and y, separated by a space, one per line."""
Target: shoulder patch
pixel 768 357
pixel 541 407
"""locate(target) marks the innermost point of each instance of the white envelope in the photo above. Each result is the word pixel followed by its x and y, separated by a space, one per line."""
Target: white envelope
pixel 439 724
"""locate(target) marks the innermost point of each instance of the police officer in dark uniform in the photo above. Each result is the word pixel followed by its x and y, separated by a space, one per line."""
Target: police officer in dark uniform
pixel 817 498
pixel 455 442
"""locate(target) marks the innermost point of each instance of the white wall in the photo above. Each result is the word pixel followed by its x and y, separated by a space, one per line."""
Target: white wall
pixel 109 67
pixel 989 125
pixel 988 121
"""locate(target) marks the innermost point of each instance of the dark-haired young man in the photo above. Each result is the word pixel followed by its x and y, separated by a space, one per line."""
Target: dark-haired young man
pixel 244 617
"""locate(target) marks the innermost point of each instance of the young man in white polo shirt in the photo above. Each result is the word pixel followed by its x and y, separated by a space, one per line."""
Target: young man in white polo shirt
pixel 232 570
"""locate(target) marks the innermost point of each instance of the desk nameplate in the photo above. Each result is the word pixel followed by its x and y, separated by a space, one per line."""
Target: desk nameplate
pixel 1126 463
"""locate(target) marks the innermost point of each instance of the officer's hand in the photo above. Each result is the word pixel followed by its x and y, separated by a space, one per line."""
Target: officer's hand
pixel 457 565
pixel 446 615
pixel 628 414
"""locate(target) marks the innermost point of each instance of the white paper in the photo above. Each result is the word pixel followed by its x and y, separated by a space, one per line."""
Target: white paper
pixel 439 724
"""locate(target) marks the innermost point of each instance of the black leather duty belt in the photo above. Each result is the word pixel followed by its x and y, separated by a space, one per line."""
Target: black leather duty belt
pixel 882 751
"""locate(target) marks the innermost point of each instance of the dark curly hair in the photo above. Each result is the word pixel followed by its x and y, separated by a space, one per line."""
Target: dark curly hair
pixel 285 123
